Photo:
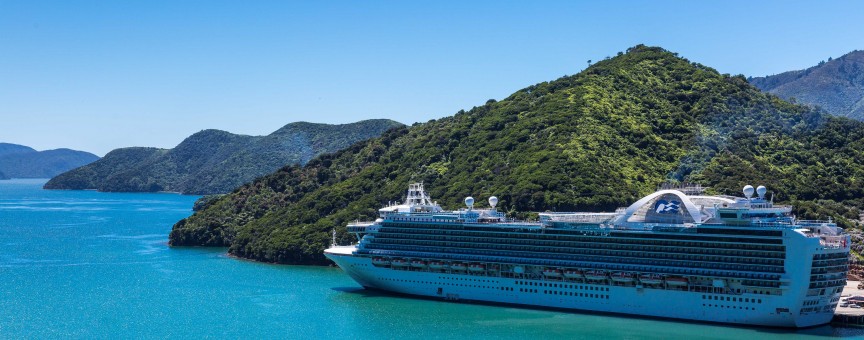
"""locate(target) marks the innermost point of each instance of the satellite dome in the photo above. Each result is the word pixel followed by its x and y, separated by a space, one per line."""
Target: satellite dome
pixel 761 190
pixel 748 191
pixel 469 201
pixel 493 201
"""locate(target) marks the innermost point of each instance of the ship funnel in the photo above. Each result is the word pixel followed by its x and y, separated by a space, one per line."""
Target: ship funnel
pixel 493 201
pixel 748 191
pixel 761 190
pixel 469 201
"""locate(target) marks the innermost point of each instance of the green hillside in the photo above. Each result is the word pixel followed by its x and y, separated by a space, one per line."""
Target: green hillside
pixel 592 141
pixel 214 161
pixel 19 161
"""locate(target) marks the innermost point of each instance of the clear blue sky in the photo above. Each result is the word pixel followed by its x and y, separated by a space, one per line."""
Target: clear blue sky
pixel 98 75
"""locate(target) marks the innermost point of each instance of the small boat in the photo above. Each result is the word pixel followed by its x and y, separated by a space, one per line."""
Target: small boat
pixel 418 263
pixel 493 268
pixel 623 277
pixel 457 266
pixel 651 279
pixel 573 274
pixel 437 265
pixel 595 275
pixel 399 263
pixel 552 272
pixel 476 267
pixel 677 281
pixel 380 261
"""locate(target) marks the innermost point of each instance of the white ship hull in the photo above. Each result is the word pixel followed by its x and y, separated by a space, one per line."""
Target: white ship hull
pixel 664 303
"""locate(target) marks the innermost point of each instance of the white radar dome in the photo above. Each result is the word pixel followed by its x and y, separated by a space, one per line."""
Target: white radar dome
pixel 761 190
pixel 469 201
pixel 748 191
pixel 493 201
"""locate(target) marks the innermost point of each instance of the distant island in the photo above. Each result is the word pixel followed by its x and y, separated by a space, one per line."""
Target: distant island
pixel 594 141
pixel 215 161
pixel 836 85
pixel 19 161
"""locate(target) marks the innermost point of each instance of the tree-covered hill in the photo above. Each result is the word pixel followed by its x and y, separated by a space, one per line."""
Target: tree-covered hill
pixel 836 85
pixel 596 140
pixel 214 161
pixel 19 161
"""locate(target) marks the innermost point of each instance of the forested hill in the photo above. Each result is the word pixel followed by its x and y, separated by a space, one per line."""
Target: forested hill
pixel 19 161
pixel 836 85
pixel 596 140
pixel 214 161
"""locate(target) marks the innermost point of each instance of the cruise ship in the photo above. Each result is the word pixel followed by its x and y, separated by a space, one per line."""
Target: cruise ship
pixel 675 253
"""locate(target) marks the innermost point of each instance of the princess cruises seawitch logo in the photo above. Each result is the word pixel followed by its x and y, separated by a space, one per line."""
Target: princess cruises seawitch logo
pixel 667 207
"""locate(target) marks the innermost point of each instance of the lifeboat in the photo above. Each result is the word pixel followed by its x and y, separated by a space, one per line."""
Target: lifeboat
pixel 573 274
pixel 651 279
pixel 677 281
pixel 622 277
pixel 552 272
pixel 476 267
pixel 437 265
pixel 595 275
pixel 380 261
pixel 418 263
pixel 457 266
pixel 493 268
pixel 399 263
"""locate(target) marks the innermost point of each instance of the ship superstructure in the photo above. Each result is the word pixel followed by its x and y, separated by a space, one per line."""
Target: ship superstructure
pixel 675 253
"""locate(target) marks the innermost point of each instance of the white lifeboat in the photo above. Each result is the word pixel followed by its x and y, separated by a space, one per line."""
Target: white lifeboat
pixel 457 266
pixel 418 263
pixel 596 275
pixel 622 277
pixel 651 279
pixel 437 265
pixel 677 281
pixel 399 263
pixel 573 274
pixel 380 261
pixel 552 272
pixel 476 267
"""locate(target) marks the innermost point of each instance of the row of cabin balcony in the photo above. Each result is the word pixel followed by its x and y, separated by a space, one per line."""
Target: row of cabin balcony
pixel 669 263
pixel 704 241
pixel 588 251
pixel 581 245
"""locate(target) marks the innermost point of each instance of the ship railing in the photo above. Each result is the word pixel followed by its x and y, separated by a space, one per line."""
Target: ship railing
pixel 814 223
pixel 593 218
pixel 833 242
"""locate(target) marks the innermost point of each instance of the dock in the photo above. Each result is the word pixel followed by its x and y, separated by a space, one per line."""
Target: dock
pixel 848 316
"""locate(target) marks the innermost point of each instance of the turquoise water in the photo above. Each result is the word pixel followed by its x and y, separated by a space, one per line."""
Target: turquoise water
pixel 85 264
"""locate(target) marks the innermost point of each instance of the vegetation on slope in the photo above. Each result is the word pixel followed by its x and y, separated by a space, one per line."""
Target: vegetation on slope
pixel 19 161
pixel 593 141
pixel 836 86
pixel 214 161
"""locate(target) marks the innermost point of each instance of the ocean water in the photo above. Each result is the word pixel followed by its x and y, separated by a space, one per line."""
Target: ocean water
pixel 84 264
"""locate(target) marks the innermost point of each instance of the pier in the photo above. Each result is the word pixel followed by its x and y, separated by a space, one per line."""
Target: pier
pixel 848 316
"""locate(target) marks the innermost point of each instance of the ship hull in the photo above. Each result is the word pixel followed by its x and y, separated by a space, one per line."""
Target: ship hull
pixel 595 297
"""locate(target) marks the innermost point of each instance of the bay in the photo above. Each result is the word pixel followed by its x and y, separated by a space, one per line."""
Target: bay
pixel 85 264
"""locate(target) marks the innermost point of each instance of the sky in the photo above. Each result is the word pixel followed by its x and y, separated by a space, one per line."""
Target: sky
pixel 100 75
